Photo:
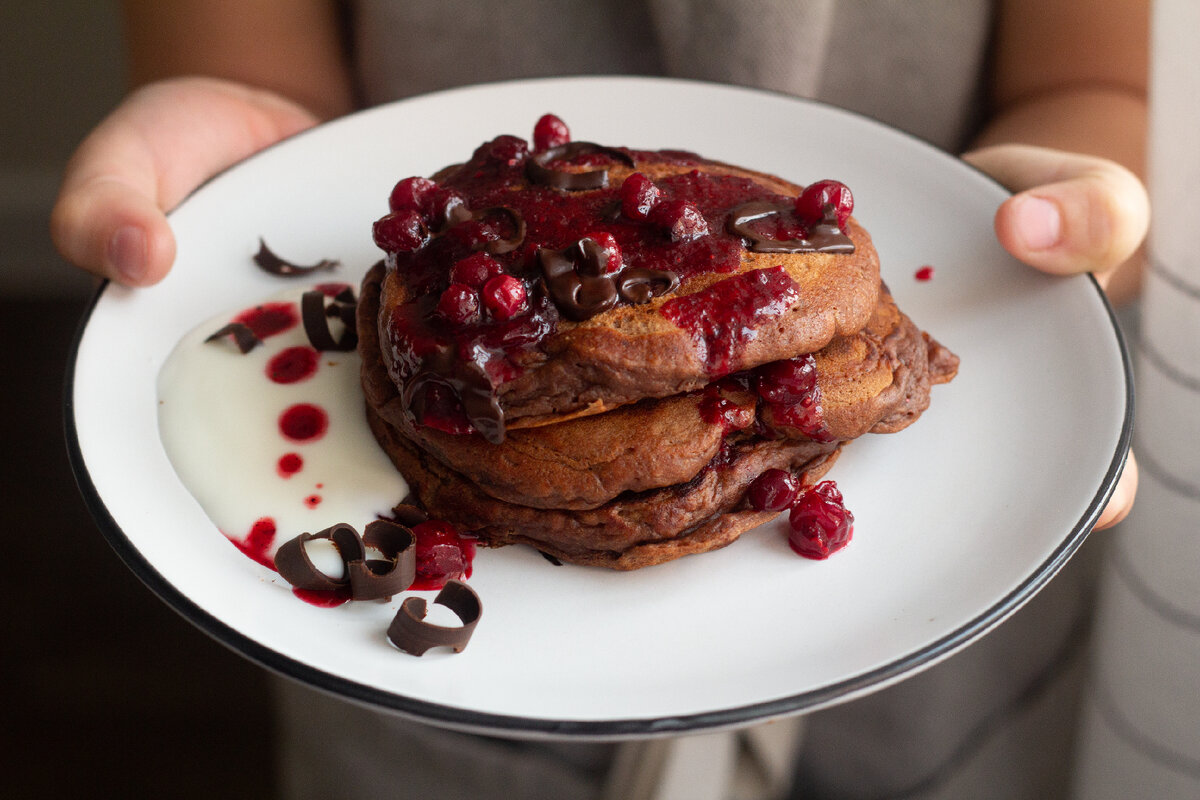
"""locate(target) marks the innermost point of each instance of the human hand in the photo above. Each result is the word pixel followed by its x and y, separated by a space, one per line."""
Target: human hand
pixel 162 142
pixel 1071 213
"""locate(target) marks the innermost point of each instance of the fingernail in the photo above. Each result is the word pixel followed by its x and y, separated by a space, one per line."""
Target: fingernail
pixel 1039 223
pixel 127 252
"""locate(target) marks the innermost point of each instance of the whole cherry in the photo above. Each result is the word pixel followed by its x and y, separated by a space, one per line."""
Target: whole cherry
pixel 774 490
pixel 475 270
pixel 820 523
pixel 400 232
pixel 504 296
pixel 681 218
pixel 549 132
pixel 459 304
pixel 816 197
pixel 412 194
pixel 639 196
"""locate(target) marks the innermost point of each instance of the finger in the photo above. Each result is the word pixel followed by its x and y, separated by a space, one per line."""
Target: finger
pixel 1121 502
pixel 1071 214
pixel 159 145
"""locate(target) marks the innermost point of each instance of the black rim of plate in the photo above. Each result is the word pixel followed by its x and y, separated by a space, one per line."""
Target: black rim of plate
pixel 537 727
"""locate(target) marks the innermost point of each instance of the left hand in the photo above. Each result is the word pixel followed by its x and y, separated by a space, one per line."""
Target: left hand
pixel 1070 213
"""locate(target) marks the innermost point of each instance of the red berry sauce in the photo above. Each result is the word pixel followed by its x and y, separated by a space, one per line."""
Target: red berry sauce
pixel 443 554
pixel 289 464
pixel 258 543
pixel 303 422
pixel 331 598
pixel 293 365
pixel 724 318
pixel 473 221
pixel 269 319
pixel 925 273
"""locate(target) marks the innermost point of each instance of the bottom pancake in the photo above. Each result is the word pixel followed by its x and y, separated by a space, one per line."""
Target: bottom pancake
pixel 632 531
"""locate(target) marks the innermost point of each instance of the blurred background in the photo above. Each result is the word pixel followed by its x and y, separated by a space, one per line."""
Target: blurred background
pixel 104 690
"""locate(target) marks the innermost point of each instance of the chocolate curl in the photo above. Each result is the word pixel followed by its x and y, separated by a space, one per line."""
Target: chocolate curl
pixel 411 633
pixel 372 579
pixel 537 171
pixel 409 515
pixel 378 580
pixel 242 336
pixel 315 317
pixel 296 568
pixel 275 265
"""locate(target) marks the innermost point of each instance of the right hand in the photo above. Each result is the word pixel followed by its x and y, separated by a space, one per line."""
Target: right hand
pixel 162 142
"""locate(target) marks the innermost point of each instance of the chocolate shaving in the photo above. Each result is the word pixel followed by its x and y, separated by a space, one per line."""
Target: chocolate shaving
pixel 242 336
pixel 538 171
pixel 376 579
pixel 825 236
pixel 368 579
pixel 294 565
pixel 639 285
pixel 315 317
pixel 411 633
pixel 268 261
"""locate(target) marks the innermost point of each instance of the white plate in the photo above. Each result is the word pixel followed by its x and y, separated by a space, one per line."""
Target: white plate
pixel 960 518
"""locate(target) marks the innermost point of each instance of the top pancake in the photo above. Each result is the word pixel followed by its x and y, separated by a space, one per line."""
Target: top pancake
pixel 733 307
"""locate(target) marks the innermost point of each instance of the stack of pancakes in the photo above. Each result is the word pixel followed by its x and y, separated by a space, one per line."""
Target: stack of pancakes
pixel 628 436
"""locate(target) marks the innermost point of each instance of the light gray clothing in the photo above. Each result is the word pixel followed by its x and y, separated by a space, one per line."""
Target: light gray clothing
pixel 993 722
pixel 914 64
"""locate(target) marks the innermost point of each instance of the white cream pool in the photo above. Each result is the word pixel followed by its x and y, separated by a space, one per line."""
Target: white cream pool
pixel 219 419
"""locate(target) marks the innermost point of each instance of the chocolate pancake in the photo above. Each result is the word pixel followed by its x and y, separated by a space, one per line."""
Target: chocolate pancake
pixel 876 380
pixel 632 531
pixel 590 300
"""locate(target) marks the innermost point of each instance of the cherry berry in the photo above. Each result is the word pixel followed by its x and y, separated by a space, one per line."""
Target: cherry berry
pixel 639 196
pixel 812 203
pixel 504 296
pixel 786 382
pixel 613 261
pixel 774 490
pixel 460 304
pixel 475 270
pixel 505 149
pixel 820 524
pixel 400 232
pixel 681 218
pixel 412 194
pixel 550 131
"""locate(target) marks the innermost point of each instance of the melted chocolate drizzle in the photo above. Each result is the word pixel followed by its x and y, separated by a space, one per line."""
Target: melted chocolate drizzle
pixel 824 237
pixel 578 283
pixel 538 171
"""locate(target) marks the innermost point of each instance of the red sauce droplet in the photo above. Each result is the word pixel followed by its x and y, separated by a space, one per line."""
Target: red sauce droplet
pixel 723 318
pixel 313 500
pixel 324 599
pixel 258 542
pixel 716 409
pixel 331 289
pixel 442 554
pixel 303 422
pixel 269 319
pixel 293 365
pixel 289 464
pixel 925 273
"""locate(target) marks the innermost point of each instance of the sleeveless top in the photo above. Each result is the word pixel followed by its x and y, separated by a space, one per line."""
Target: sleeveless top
pixel 914 64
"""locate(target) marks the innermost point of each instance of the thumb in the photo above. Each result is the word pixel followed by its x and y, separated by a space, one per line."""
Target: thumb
pixel 1072 213
pixel 155 148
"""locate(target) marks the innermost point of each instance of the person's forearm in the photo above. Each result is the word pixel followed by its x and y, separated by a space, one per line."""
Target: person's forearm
pixel 290 47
